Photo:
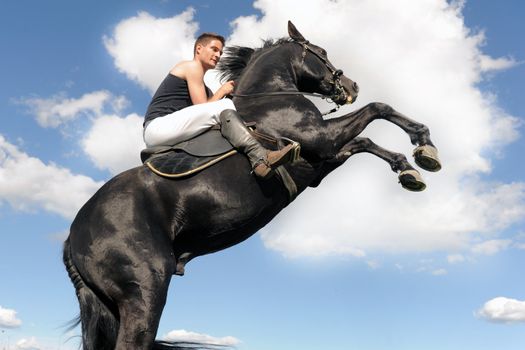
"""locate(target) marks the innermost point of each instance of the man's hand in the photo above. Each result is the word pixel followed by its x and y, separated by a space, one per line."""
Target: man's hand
pixel 227 88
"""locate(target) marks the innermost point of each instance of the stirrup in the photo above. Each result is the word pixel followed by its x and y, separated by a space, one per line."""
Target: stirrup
pixel 267 173
pixel 285 155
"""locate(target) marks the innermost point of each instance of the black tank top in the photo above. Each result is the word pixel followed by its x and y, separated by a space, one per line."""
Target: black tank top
pixel 172 95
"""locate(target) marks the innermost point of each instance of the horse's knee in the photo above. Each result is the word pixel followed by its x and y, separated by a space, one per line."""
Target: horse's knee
pixel 357 145
pixel 364 143
pixel 380 108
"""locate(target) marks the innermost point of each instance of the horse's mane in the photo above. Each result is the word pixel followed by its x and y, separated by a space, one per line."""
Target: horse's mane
pixel 236 58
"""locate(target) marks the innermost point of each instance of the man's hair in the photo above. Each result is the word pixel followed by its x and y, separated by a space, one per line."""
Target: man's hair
pixel 205 38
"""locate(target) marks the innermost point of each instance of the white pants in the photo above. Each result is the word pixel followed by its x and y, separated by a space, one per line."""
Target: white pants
pixel 184 124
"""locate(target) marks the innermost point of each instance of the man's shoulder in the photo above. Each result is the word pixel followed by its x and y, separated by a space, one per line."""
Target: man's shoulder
pixel 187 69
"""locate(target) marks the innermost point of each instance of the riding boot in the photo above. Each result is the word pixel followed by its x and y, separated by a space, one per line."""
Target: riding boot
pixel 262 160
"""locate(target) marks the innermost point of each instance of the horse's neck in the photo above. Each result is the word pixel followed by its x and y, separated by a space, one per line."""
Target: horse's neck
pixel 270 72
pixel 273 71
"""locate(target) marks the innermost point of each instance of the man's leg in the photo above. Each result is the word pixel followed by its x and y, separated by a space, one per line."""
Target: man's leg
pixel 184 124
pixel 262 160
pixel 194 120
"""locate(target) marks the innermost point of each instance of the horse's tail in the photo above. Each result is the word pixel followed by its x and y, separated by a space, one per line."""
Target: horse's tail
pixel 99 324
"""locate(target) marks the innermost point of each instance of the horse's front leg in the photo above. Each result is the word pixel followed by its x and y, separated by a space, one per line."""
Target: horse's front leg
pixel 409 177
pixel 349 126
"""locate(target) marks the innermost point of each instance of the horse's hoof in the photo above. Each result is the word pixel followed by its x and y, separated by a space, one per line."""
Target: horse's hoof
pixel 412 180
pixel 426 157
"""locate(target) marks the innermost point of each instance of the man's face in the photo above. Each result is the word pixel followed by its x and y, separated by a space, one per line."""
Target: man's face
pixel 210 53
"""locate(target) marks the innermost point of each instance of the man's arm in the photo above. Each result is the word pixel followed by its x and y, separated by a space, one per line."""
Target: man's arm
pixel 193 73
pixel 198 89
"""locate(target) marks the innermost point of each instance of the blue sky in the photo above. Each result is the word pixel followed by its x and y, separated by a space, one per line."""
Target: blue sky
pixel 371 267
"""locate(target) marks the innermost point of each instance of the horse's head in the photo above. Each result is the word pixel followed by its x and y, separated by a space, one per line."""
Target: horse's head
pixel 286 65
pixel 315 73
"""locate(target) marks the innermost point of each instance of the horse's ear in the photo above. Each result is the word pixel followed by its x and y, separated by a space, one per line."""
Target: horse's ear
pixel 294 33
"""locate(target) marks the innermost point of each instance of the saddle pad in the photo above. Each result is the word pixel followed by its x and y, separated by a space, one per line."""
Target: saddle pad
pixel 210 143
pixel 177 163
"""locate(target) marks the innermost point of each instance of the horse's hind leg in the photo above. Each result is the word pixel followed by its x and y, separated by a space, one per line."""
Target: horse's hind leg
pixel 409 178
pixel 140 310
pixel 139 286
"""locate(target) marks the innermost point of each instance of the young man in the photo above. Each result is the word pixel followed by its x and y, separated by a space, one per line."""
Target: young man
pixel 184 107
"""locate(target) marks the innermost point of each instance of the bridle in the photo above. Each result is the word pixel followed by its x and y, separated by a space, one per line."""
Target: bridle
pixel 338 92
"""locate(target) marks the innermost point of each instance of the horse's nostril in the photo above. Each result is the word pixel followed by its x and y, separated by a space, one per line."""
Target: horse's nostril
pixel 355 87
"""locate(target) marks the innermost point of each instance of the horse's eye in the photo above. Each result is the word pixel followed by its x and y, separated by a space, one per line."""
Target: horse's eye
pixel 323 52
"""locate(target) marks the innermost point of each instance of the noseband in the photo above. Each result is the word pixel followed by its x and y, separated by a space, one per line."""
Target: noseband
pixel 338 92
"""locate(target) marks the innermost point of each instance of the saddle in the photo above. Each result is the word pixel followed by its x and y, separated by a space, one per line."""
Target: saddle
pixel 194 155
pixel 188 157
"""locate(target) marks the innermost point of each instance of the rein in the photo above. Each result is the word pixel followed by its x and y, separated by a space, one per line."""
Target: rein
pixel 336 82
pixel 294 93
pixel 278 93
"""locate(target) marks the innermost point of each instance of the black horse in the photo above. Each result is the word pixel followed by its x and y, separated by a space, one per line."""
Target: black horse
pixel 139 229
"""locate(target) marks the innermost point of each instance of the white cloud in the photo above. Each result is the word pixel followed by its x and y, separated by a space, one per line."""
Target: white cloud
pixel 27 183
pixel 439 272
pixel 58 110
pixel 503 310
pixel 520 246
pixel 455 258
pixel 8 318
pixel 145 48
pixel 491 247
pixel 372 264
pixel 59 236
pixel 112 142
pixel 186 336
pixel 488 63
pixel 424 62
pixel 28 344
pixel 115 143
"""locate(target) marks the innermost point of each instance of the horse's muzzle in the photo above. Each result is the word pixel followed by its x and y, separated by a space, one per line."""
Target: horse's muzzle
pixel 351 96
pixel 351 89
pixel 355 87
